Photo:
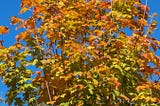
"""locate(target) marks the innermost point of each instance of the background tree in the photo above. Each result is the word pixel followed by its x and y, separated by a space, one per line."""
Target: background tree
pixel 83 54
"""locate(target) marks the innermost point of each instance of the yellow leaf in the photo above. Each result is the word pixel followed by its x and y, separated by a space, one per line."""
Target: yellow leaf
pixel 12 48
pixel 95 82
pixel 39 1
pixel 148 99
pixel 92 38
pixel 154 99
pixel 51 103
pixel 102 43
pixel 61 4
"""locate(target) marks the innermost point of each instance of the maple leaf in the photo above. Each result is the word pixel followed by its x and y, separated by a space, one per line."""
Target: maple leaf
pixel 3 30
pixel 27 3
pixel 117 84
pixel 22 36
pixel 143 22
pixel 143 7
pixel 39 9
pixel 16 20
pixel 98 32
pixel 84 53
pixel 142 87
pixel 24 9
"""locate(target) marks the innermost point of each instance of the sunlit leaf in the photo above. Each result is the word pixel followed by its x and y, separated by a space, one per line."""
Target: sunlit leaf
pixel 3 30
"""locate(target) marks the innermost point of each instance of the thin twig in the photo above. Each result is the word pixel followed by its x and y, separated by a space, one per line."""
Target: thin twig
pixel 149 24
pixel 146 3
pixel 110 33
pixel 49 94
pixel 144 12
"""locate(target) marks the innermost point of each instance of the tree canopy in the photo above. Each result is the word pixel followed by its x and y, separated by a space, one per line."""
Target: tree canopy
pixel 82 53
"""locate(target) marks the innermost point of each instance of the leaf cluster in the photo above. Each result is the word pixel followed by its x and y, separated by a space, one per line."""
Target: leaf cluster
pixel 81 53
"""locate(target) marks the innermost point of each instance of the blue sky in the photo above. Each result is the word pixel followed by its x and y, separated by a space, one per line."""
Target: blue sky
pixel 10 8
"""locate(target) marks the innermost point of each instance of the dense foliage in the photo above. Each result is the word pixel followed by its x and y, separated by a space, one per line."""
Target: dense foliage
pixel 82 53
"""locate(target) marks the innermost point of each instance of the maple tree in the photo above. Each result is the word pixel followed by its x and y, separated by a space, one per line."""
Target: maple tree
pixel 81 53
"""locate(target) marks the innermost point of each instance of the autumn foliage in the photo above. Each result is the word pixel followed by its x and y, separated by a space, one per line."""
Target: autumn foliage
pixel 82 53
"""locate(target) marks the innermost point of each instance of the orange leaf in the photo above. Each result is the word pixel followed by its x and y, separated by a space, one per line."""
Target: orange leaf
pixel 105 4
pixel 16 20
pixel 18 45
pixel 39 9
pixel 22 36
pixel 98 32
pixel 104 17
pixel 38 72
pixel 117 84
pixel 24 9
pixel 157 73
pixel 153 100
pixel 3 30
pixel 145 55
pixel 80 86
pixel 125 97
pixel 143 21
pixel 27 3
pixel 142 87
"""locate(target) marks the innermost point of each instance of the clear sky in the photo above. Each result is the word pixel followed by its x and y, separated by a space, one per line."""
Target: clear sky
pixel 10 8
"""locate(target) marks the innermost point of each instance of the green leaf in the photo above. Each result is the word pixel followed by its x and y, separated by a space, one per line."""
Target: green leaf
pixel 64 104
pixel 31 99
pixel 63 95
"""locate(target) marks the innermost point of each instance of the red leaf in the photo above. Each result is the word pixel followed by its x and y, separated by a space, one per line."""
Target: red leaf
pixel 117 84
